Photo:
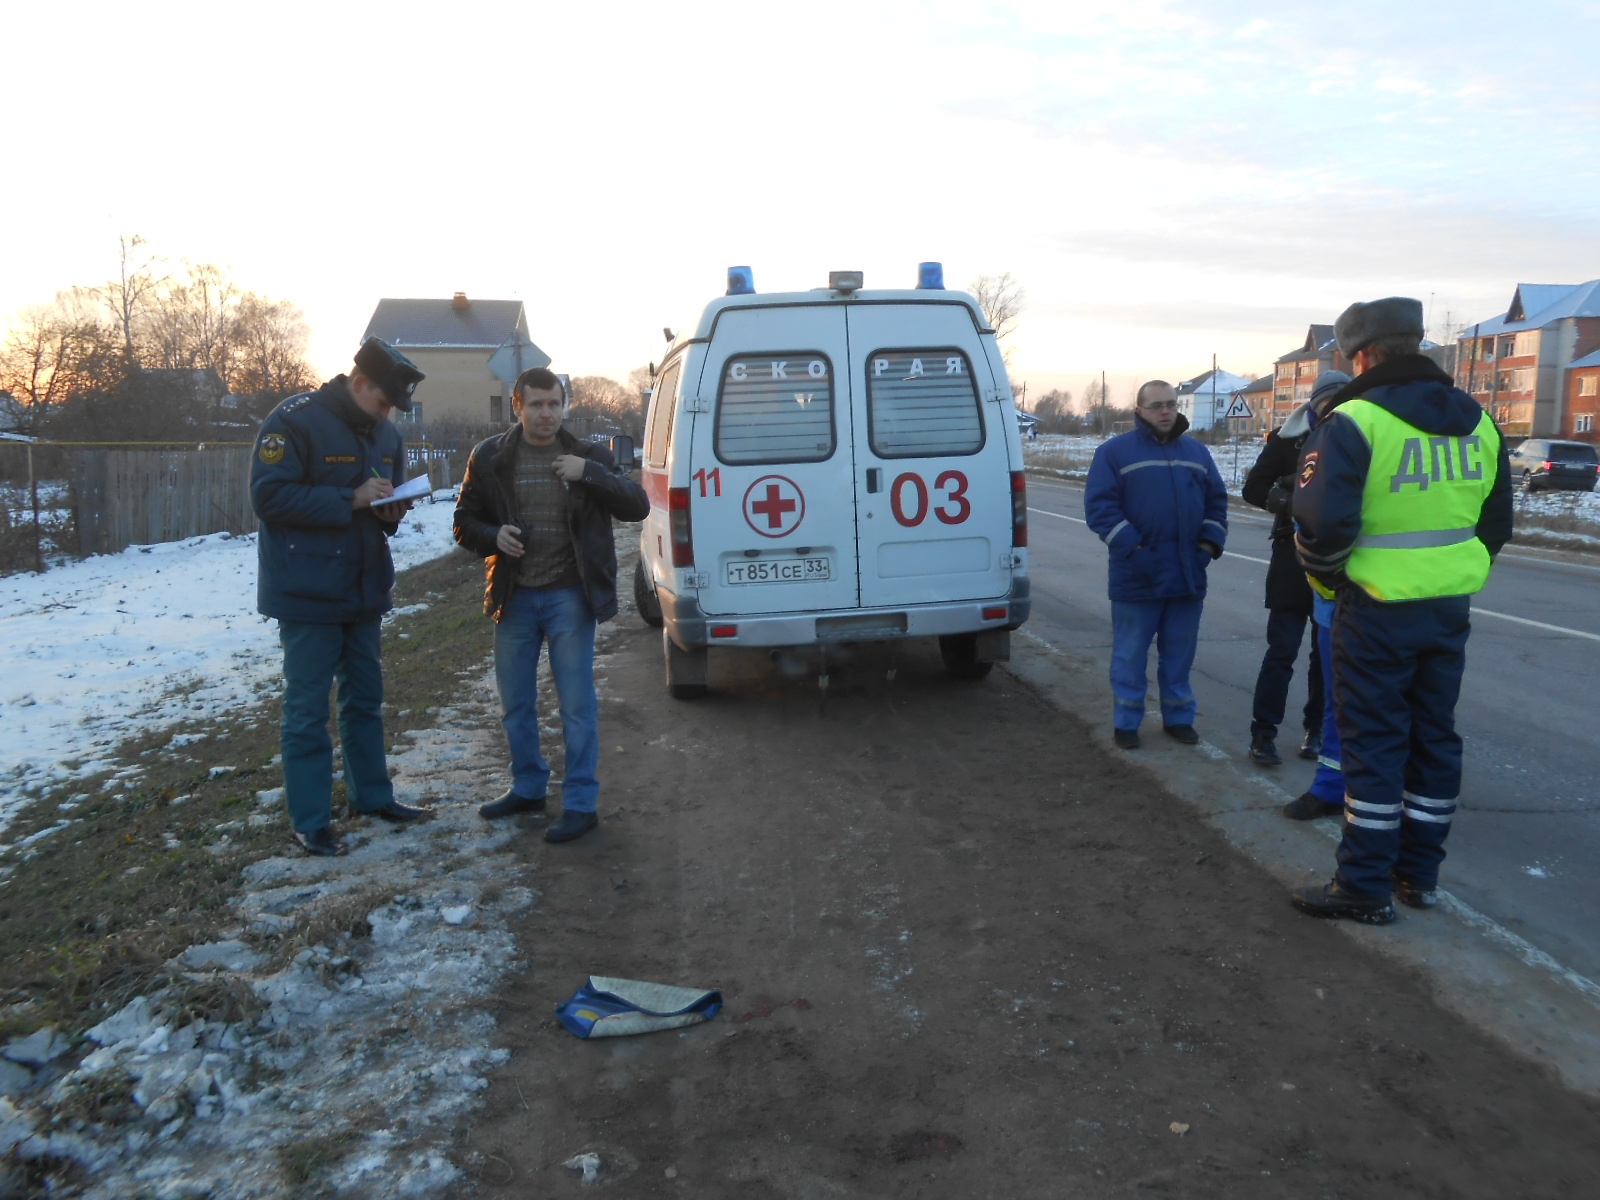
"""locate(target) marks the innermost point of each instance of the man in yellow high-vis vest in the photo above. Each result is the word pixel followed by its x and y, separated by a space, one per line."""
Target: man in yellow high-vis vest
pixel 1402 501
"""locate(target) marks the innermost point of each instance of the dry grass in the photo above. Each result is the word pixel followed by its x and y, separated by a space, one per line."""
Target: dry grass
pixel 90 915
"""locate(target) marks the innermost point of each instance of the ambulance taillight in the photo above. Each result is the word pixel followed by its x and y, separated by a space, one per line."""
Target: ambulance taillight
pixel 1019 508
pixel 678 523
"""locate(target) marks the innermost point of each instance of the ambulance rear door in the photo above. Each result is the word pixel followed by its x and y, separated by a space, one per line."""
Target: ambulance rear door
pixel 931 464
pixel 771 496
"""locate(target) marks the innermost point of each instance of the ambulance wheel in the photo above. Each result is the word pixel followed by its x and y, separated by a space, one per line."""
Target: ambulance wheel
pixel 645 598
pixel 960 654
pixel 687 670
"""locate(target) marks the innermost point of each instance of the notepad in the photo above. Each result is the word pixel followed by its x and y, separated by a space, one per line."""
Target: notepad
pixel 411 489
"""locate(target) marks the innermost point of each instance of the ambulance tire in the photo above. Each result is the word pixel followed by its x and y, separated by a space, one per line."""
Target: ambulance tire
pixel 960 654
pixel 686 670
pixel 645 598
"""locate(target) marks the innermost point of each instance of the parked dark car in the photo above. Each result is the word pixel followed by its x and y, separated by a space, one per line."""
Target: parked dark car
pixel 1544 463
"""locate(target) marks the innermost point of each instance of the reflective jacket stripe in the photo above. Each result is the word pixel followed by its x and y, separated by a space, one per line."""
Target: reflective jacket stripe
pixel 1422 539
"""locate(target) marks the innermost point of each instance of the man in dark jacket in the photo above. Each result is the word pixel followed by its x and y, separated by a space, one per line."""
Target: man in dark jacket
pixel 1157 501
pixel 1288 596
pixel 538 504
pixel 1402 501
pixel 324 463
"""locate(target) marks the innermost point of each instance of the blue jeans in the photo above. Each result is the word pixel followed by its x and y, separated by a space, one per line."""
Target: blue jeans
pixel 1174 626
pixel 562 618
pixel 314 657
pixel 1328 783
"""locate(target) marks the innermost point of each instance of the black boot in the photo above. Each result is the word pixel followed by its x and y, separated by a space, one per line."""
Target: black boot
pixel 1264 751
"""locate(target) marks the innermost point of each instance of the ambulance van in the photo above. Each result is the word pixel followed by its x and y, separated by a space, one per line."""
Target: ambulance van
pixel 830 467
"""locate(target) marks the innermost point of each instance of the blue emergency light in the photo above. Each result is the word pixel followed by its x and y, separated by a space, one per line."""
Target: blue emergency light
pixel 930 275
pixel 741 281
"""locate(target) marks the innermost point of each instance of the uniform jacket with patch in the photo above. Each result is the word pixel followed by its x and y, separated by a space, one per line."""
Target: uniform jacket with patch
pixel 319 560
pixel 1152 500
pixel 1337 457
pixel 488 500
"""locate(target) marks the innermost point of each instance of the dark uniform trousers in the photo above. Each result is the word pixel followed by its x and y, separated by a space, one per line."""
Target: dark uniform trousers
pixel 1396 674
pixel 315 656
pixel 1285 631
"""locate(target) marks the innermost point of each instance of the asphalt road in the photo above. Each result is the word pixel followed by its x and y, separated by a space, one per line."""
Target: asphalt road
pixel 1527 837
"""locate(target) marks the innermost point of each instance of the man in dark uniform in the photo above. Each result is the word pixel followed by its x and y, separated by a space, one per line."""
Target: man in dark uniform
pixel 1402 502
pixel 537 503
pixel 324 463
pixel 1288 595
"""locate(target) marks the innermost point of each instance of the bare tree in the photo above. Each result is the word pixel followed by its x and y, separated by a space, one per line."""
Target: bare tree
pixel 54 351
pixel 127 296
pixel 1001 298
pixel 603 396
pixel 269 349
pixel 189 325
pixel 1053 407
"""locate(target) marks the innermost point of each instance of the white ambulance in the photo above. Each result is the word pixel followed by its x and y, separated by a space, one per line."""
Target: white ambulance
pixel 833 466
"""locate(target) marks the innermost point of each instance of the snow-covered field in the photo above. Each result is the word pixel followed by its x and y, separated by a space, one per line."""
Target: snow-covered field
pixel 97 649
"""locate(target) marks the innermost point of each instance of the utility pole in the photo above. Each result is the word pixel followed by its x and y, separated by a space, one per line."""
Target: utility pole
pixel 1472 358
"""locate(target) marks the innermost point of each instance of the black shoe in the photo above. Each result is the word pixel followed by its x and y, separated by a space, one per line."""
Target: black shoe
pixel 394 811
pixel 1126 739
pixel 323 842
pixel 511 803
pixel 1306 807
pixel 1264 752
pixel 571 825
pixel 1409 893
pixel 1182 733
pixel 1311 745
pixel 1331 900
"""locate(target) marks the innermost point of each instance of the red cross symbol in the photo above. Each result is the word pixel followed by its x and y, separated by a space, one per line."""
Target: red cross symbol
pixel 773 506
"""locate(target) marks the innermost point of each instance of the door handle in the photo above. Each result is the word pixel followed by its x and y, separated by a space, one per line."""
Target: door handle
pixel 874 478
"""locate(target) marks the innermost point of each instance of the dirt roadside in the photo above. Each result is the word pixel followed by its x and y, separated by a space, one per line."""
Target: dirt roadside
pixel 966 952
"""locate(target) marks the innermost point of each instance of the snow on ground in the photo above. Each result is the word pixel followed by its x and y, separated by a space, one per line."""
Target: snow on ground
pixel 94 651
pixel 371 1045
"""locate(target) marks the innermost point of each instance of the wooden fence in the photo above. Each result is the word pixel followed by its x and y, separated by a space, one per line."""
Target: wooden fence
pixel 140 497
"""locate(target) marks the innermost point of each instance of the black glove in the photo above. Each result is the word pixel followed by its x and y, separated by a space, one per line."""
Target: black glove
pixel 1280 495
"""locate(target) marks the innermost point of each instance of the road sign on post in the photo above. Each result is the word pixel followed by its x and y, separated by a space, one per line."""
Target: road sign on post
pixel 1240 408
pixel 514 356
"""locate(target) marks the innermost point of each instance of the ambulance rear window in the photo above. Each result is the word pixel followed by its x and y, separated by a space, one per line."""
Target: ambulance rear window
pixel 922 403
pixel 775 408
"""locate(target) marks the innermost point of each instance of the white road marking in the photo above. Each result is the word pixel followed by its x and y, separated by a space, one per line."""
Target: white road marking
pixel 1063 517
pixel 1489 612
pixel 1486 612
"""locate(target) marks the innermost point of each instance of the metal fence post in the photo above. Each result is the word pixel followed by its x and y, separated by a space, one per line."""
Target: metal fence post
pixel 33 492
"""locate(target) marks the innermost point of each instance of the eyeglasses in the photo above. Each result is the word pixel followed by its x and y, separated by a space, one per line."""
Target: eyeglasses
pixel 1160 406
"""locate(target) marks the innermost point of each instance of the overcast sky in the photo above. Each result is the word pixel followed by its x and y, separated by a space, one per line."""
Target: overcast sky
pixel 1167 180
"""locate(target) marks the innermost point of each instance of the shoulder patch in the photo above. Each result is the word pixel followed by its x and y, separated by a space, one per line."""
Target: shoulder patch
pixel 1308 469
pixel 270 449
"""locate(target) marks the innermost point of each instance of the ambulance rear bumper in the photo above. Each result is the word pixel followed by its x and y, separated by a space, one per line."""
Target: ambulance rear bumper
pixel 691 628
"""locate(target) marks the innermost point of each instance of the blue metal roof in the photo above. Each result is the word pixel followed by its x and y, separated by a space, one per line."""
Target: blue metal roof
pixel 1536 305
